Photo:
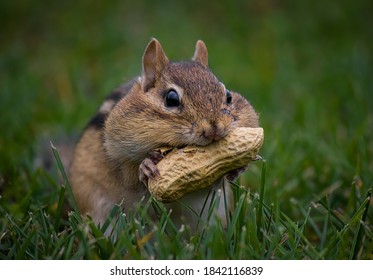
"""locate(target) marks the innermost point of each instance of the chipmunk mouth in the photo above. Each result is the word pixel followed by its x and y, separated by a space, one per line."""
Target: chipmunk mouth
pixel 202 141
pixel 206 133
pixel 213 134
pixel 205 139
pixel 195 140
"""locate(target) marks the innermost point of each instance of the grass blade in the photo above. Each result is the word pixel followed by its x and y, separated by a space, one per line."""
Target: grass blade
pixel 360 229
pixel 61 199
pixel 261 198
pixel 236 214
pixel 64 176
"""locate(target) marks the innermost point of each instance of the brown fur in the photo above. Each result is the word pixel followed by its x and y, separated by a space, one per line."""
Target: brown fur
pixel 134 121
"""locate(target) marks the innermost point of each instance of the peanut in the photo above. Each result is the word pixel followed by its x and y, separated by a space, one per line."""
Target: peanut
pixel 185 170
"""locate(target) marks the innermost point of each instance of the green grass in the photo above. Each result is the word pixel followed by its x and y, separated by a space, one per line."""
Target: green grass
pixel 307 69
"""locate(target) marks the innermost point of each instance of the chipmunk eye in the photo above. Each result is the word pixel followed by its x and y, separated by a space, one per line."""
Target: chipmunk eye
pixel 228 94
pixel 172 98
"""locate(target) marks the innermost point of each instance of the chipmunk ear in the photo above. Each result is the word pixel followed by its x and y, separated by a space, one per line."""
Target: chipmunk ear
pixel 154 61
pixel 200 53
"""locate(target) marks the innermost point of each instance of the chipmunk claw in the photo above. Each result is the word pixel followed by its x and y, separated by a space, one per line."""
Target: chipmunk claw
pixel 234 174
pixel 148 167
pixel 258 157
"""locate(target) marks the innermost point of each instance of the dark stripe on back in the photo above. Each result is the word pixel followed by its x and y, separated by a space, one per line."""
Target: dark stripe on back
pixel 115 96
pixel 98 121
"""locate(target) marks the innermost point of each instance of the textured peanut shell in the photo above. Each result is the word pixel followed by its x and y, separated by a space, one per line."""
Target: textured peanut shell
pixel 185 170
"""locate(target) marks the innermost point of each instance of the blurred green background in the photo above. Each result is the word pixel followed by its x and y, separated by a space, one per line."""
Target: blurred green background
pixel 306 66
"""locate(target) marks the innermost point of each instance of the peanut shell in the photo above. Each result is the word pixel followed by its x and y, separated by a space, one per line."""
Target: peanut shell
pixel 194 167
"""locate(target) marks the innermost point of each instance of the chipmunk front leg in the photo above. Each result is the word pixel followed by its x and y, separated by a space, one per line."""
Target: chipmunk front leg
pixel 148 167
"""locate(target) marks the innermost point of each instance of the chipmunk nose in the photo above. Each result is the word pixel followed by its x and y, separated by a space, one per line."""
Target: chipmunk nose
pixel 214 131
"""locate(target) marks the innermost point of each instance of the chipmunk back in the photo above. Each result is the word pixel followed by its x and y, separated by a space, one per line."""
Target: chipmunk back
pixel 170 104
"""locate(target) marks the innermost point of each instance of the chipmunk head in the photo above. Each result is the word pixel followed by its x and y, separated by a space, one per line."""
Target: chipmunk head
pixel 175 103
pixel 189 96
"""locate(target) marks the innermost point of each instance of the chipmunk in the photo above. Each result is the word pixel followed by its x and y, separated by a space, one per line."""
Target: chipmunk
pixel 172 104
